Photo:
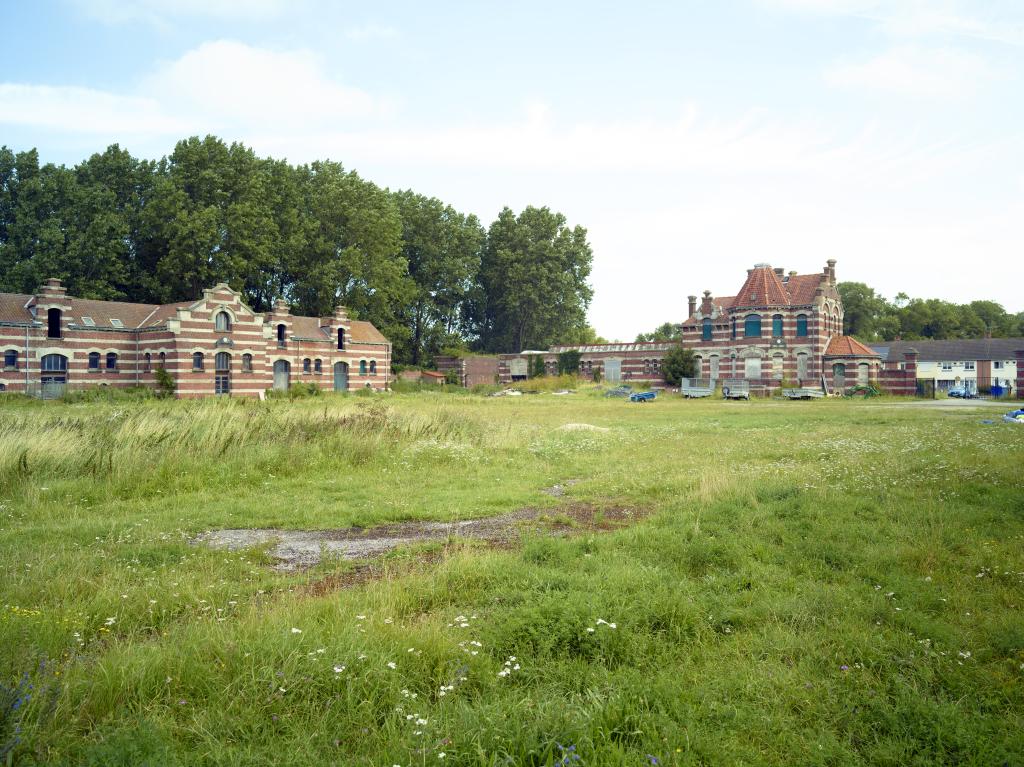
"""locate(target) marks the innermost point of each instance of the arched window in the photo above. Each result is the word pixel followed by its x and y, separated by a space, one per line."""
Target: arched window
pixel 801 325
pixel 246 363
pixel 752 326
pixel 197 361
pixel 373 367
pixel 706 329
pixel 53 323
pixel 341 338
pixel 281 330
pixel 94 361
pixel 714 366
pixel 11 359
pixel 777 326
pixel 306 363
pixel 318 366
pixel 801 366
pixel 222 373
pixel 863 373
pixel 111 361
pixel 752 368
pixel 163 359
pixel 222 322
pixel 734 327
pixel 149 362
pixel 54 363
pixel 362 367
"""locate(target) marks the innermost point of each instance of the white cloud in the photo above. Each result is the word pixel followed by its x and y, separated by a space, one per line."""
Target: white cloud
pixel 227 83
pixel 914 71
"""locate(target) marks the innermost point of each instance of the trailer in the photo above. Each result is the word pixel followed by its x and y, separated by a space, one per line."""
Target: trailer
pixel 736 388
pixel 803 392
pixel 643 396
pixel 692 388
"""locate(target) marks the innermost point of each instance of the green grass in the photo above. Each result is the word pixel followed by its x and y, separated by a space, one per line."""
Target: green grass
pixel 827 582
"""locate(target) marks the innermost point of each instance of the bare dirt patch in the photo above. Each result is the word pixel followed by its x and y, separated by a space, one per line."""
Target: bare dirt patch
pixel 299 549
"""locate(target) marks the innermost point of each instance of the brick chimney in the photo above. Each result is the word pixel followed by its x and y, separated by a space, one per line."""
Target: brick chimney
pixel 282 307
pixel 910 360
pixel 831 270
pixel 707 304
pixel 692 303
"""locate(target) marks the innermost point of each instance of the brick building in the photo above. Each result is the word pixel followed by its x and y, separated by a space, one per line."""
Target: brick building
pixel 472 369
pixel 778 328
pixel 215 345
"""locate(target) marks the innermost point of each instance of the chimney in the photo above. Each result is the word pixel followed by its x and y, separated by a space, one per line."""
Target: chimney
pixel 831 270
pixel 780 271
pixel 707 304
pixel 53 289
pixel 281 307
pixel 692 302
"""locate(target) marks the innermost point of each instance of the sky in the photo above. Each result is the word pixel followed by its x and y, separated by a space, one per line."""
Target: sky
pixel 691 139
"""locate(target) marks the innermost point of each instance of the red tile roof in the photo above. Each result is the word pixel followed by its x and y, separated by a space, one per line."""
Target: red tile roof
pixel 308 327
pixel 12 307
pixel 848 346
pixel 762 288
pixel 365 331
pixel 802 288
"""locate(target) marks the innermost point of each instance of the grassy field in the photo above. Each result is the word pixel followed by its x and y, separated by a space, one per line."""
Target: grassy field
pixel 806 583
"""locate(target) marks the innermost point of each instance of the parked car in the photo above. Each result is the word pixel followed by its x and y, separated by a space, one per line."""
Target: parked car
pixel 961 392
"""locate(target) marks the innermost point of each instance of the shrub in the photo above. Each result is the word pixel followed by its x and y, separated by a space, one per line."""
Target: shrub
pixel 537 366
pixel 678 364
pixel 165 386
pixel 568 362
pixel 452 377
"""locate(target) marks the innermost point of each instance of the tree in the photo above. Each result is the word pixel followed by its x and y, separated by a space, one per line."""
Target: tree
pixel 580 336
pixel 667 331
pixel 677 364
pixel 537 368
pixel 864 311
pixel 442 249
pixel 533 281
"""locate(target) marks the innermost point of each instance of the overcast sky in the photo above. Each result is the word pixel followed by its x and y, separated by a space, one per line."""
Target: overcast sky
pixel 692 139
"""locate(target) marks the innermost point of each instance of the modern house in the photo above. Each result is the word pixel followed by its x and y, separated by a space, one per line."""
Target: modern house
pixel 979 364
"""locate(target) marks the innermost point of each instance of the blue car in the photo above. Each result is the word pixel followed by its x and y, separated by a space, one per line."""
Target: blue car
pixel 642 396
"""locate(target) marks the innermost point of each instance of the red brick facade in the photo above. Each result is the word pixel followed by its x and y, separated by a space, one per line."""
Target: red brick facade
pixel 215 345
pixel 473 370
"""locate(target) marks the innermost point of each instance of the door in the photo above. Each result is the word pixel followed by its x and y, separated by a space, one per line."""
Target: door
pixel 340 376
pixel 839 376
pixel 282 369
pixel 613 370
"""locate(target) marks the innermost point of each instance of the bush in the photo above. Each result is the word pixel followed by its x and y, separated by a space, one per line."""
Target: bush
pixel 452 377
pixel 165 386
pixel 678 364
pixel 104 393
pixel 537 366
pixel 568 362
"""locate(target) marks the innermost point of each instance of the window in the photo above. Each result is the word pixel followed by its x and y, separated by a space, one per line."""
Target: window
pixel 362 367
pixel 863 372
pixel 222 373
pixel 281 330
pixel 373 367
pixel 88 321
pixel 341 338
pixel 969 365
pixel 752 326
pixel 54 363
pixel 997 364
pixel 801 325
pixel 714 365
pixel 706 329
pixel 947 365
pixel 777 326
pixel 94 361
pixel 752 367
pixel 163 358
pixel 116 322
pixel 149 363
pixel 197 361
pixel 11 359
pixel 246 363
pixel 318 367
pixel 111 361
pixel 734 327
pixel 53 323
pixel 222 322
pixel 306 365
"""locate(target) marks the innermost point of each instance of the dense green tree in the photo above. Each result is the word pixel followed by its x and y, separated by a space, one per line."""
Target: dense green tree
pixel 678 363
pixel 581 335
pixel 568 362
pixel 442 248
pixel 533 281
pixel 667 331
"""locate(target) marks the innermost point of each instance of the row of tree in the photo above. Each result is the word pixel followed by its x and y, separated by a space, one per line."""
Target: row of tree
pixel 116 227
pixel 871 317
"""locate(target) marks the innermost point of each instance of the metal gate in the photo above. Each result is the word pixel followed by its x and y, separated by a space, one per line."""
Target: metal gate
pixel 925 388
